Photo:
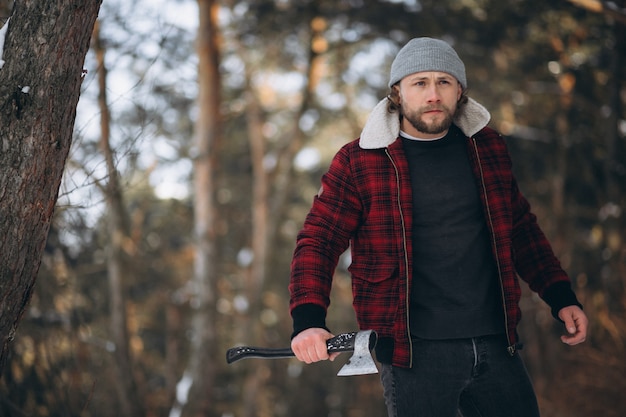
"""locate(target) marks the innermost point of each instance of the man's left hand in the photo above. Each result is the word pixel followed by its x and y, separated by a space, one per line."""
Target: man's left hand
pixel 575 323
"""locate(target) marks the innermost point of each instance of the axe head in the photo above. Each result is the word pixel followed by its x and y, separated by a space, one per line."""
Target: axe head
pixel 361 362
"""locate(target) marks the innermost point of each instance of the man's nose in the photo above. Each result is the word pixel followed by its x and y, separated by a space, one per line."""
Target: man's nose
pixel 433 94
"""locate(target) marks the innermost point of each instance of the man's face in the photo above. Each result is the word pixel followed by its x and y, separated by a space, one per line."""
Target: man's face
pixel 428 101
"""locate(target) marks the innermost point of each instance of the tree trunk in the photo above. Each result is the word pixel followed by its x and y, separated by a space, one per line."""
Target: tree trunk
pixel 615 243
pixel 268 204
pixel 201 366
pixel 260 204
pixel 118 231
pixel 40 82
pixel 282 179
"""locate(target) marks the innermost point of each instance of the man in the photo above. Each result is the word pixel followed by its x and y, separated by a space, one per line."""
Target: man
pixel 439 233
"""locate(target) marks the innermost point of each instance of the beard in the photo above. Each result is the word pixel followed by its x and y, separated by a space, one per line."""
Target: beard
pixel 430 127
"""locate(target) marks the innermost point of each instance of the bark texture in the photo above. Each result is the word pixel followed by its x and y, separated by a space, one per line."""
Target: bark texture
pixel 44 51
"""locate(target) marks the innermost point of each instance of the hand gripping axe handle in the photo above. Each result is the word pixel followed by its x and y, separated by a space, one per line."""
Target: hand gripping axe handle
pixel 361 343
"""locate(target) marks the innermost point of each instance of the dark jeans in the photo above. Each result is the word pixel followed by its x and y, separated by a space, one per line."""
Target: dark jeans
pixel 476 377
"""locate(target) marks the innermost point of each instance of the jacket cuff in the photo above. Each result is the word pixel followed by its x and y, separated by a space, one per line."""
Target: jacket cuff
pixel 306 316
pixel 560 295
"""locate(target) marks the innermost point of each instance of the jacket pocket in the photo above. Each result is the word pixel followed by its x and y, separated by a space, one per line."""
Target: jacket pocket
pixel 373 271
pixel 375 288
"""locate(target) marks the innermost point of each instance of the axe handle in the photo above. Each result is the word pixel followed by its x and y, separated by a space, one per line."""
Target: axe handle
pixel 243 352
pixel 343 342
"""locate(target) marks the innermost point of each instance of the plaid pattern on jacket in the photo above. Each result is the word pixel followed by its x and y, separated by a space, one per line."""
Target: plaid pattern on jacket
pixel 365 204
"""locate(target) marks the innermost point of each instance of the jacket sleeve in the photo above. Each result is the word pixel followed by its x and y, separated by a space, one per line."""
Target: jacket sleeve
pixel 328 228
pixel 535 261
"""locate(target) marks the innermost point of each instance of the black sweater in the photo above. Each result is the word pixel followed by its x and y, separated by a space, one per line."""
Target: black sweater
pixel 455 291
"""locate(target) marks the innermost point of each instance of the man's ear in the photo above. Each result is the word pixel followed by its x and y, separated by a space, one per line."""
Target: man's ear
pixel 460 92
pixel 396 93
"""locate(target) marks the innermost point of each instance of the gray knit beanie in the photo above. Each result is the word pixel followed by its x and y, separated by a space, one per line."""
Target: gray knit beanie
pixel 427 54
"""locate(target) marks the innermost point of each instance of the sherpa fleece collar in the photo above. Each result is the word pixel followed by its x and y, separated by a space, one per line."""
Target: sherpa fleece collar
pixel 383 128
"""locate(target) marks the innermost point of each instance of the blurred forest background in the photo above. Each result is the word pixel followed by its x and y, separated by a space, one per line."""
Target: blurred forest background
pixel 202 133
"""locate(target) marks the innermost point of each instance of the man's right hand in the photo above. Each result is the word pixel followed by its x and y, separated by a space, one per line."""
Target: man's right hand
pixel 310 345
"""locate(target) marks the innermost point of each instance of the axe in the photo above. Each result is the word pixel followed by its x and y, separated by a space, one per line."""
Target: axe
pixel 361 343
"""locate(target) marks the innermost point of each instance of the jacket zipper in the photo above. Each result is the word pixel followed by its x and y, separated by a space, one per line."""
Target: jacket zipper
pixel 406 259
pixel 510 348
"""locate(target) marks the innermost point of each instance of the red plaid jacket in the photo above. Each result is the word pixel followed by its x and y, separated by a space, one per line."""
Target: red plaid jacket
pixel 365 204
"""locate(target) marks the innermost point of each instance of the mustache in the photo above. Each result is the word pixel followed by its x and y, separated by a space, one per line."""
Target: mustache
pixel 434 108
